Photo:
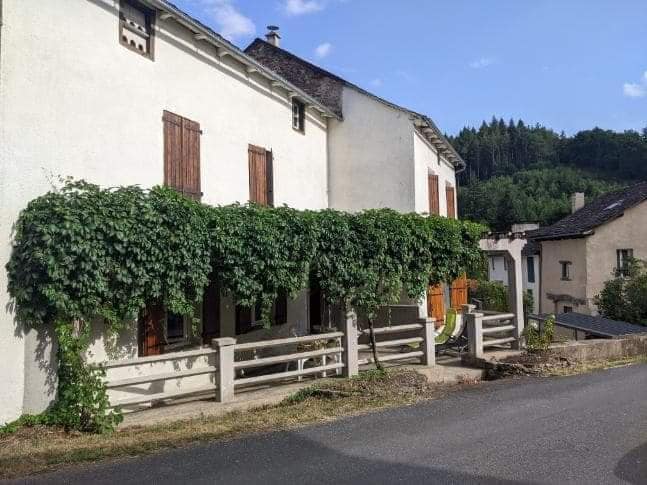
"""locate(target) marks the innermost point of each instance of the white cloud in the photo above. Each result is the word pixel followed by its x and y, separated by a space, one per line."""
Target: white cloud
pixel 634 90
pixel 231 23
pixel 302 7
pixel 481 63
pixel 377 82
pixel 323 50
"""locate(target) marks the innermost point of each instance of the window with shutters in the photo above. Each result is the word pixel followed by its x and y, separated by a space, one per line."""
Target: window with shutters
pixel 136 27
pixel 432 183
pixel 261 176
pixel 298 115
pixel 451 202
pixel 182 155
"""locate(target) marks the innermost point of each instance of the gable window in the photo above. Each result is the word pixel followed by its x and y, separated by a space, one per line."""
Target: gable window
pixel 261 176
pixel 136 27
pixel 623 257
pixel 432 185
pixel 566 270
pixel 530 261
pixel 182 155
pixel 298 115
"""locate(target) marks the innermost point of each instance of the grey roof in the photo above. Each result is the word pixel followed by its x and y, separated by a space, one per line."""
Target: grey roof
pixel 598 326
pixel 325 86
pixel 605 208
pixel 531 248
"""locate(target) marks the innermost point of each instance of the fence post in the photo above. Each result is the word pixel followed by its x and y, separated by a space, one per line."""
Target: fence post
pixel 475 334
pixel 429 342
pixel 351 352
pixel 224 367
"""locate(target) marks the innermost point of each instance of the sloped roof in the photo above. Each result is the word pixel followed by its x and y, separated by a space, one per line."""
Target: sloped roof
pixel 605 208
pixel 204 33
pixel 327 88
pixel 598 326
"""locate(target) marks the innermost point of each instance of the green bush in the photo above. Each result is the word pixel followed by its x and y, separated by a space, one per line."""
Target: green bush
pixel 537 341
pixel 493 294
pixel 625 296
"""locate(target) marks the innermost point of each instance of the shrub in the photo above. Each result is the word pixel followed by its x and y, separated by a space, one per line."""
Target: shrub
pixel 537 341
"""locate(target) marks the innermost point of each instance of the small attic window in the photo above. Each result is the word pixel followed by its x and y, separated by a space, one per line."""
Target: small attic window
pixel 136 27
pixel 298 115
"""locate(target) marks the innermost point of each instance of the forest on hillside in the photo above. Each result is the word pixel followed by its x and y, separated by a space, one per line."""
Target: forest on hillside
pixel 521 173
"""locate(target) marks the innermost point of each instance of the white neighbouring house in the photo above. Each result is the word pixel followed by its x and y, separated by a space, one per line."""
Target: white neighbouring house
pixel 122 92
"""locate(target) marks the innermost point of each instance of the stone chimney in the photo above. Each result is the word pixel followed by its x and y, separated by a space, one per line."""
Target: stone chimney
pixel 577 201
pixel 273 36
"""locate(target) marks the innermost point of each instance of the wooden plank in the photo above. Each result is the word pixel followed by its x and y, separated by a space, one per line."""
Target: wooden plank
pixel 286 341
pixel 278 359
pixel 160 377
pixel 144 398
pixel 286 375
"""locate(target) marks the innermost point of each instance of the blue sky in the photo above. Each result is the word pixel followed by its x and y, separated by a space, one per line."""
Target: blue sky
pixel 567 64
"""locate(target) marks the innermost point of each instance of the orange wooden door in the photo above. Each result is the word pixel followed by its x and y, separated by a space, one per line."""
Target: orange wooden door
pixel 458 296
pixel 436 302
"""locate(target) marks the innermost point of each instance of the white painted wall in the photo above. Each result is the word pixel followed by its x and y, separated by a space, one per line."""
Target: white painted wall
pixel 497 269
pixel 73 101
pixel 370 156
pixel 427 161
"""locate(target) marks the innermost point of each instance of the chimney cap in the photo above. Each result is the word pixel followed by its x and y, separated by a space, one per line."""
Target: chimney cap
pixel 272 35
pixel 273 28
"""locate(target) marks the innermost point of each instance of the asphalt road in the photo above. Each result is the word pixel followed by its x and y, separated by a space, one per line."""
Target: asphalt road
pixel 585 429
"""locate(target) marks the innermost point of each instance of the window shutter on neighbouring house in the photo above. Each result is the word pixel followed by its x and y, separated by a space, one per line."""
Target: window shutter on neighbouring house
pixel 451 205
pixel 182 155
pixel 269 171
pixel 261 183
pixel 434 206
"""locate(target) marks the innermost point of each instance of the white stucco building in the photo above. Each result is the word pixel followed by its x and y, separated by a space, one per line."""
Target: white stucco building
pixel 114 91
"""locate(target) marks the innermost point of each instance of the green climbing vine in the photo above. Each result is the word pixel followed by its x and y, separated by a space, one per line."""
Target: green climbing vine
pixel 84 253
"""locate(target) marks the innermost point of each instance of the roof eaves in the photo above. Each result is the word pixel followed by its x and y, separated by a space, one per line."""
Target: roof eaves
pixel 220 42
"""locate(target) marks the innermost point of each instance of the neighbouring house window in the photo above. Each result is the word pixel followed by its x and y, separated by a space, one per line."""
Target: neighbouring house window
pixel 182 155
pixel 505 264
pixel 298 115
pixel 136 27
pixel 160 331
pixel 175 327
pixel 566 270
pixel 261 176
pixel 434 200
pixel 248 319
pixel 530 260
pixel 451 202
pixel 568 309
pixel 623 256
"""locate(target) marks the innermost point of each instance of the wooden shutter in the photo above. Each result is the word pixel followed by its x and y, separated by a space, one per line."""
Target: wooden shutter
pixel 436 303
pixel 258 181
pixel 182 155
pixel 458 295
pixel 191 159
pixel 451 205
pixel 269 173
pixel 173 150
pixel 432 182
pixel 150 338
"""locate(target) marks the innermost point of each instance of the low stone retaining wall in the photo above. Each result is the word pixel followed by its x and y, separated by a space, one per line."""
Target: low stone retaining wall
pixel 602 349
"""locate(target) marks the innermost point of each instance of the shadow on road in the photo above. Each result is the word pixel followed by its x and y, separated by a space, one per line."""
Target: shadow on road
pixel 633 466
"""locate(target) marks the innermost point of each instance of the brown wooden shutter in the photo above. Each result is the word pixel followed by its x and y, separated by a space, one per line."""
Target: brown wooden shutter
pixel 182 155
pixel 458 295
pixel 434 206
pixel 150 338
pixel 436 303
pixel 451 205
pixel 191 159
pixel 258 175
pixel 172 150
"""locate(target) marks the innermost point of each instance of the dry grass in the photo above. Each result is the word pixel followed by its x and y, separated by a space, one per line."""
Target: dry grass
pixel 592 366
pixel 38 449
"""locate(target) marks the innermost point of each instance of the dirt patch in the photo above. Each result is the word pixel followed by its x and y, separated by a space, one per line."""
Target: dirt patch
pixel 528 364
